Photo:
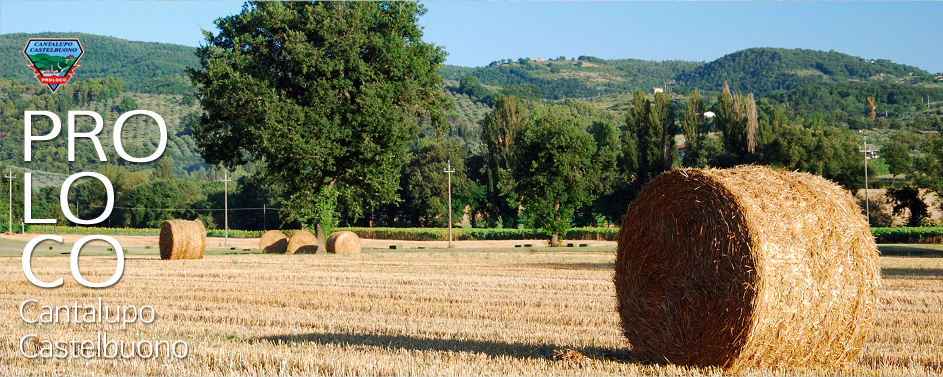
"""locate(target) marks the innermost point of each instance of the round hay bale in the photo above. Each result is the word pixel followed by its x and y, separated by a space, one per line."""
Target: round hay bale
pixel 745 267
pixel 302 242
pixel 273 242
pixel 344 242
pixel 182 239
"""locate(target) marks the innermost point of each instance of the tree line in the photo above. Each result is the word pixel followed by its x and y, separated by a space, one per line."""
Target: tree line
pixel 539 164
pixel 553 166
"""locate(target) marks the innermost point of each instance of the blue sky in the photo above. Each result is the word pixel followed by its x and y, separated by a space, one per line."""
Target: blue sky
pixel 476 33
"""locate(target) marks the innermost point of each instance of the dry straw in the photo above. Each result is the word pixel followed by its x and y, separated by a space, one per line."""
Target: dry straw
pixel 746 267
pixel 182 239
pixel 344 242
pixel 302 242
pixel 273 242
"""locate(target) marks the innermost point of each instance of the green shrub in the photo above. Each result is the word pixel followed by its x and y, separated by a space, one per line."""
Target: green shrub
pixel 442 234
pixel 924 235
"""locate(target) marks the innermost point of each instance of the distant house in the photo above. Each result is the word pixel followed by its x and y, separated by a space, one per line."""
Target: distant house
pixel 709 114
pixel 70 57
pixel 540 59
pixel 658 90
pixel 929 132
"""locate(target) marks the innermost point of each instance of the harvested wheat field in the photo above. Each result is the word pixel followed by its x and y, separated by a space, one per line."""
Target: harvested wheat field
pixel 439 312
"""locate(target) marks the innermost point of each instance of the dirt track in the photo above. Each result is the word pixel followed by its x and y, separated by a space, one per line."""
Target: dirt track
pixel 250 243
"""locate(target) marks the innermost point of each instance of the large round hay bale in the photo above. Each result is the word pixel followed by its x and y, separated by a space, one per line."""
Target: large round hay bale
pixel 302 242
pixel 182 239
pixel 273 242
pixel 344 242
pixel 745 267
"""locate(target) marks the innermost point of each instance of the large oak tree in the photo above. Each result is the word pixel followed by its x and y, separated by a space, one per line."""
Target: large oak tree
pixel 324 97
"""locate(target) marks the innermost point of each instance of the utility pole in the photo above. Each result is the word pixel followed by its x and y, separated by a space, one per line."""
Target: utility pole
pixel 226 181
pixel 264 226
pixel 866 149
pixel 449 171
pixel 10 177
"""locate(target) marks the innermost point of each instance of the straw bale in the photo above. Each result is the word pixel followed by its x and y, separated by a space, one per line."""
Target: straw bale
pixel 273 242
pixel 746 267
pixel 344 242
pixel 182 239
pixel 302 242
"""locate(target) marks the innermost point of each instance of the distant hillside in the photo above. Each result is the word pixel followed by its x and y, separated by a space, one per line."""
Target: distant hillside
pixel 159 68
pixel 806 80
pixel 583 77
pixel 757 70
pixel 146 67
pixel 763 70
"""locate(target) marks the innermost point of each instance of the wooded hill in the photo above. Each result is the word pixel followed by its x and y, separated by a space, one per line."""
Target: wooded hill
pixel 765 70
pixel 834 85
pixel 805 80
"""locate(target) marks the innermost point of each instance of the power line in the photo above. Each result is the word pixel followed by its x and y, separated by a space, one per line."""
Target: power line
pixel 32 171
pixel 193 209
pixel 61 175
pixel 226 180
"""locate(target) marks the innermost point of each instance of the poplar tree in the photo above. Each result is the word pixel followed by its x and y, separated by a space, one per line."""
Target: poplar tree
pixel 693 125
pixel 737 120
pixel 499 132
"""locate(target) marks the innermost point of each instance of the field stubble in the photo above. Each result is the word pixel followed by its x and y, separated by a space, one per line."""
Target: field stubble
pixel 440 312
